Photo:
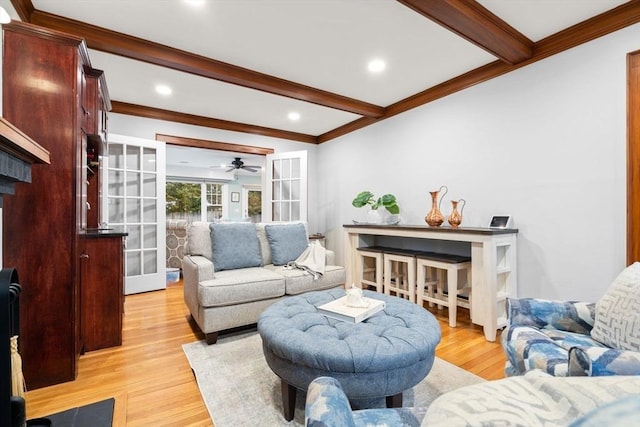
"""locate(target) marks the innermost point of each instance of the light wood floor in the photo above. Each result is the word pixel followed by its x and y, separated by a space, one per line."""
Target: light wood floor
pixel 153 383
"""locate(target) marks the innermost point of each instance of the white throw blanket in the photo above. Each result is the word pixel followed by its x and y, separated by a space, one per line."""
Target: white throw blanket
pixel 312 260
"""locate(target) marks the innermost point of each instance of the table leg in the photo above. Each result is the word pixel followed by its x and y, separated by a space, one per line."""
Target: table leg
pixel 288 400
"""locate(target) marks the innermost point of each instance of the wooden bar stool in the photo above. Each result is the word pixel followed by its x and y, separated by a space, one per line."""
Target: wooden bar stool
pixel 370 268
pixel 431 283
pixel 400 273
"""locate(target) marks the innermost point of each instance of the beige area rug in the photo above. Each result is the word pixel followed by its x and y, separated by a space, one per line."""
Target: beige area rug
pixel 239 389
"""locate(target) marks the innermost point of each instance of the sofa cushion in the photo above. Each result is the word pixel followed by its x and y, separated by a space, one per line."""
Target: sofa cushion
pixel 240 286
pixel 535 399
pixel 235 245
pixel 199 239
pixel 265 250
pixel 298 281
pixel 287 241
pixel 617 322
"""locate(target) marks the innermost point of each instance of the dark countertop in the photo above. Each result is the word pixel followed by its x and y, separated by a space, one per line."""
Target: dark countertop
pixel 94 233
pixel 426 228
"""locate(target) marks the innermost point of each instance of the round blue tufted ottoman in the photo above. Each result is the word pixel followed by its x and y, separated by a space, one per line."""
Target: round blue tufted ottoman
pixel 380 357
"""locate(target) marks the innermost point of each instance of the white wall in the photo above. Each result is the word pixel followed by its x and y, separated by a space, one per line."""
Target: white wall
pixel 545 144
pixel 147 128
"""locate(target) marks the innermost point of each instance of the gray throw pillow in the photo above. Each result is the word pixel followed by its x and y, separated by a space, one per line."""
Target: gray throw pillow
pixel 287 241
pixel 617 322
pixel 235 246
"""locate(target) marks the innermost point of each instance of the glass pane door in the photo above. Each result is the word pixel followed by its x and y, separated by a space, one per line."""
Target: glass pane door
pixel 135 180
pixel 286 187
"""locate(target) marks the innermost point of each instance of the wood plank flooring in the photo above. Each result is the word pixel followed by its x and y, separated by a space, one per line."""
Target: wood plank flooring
pixel 153 383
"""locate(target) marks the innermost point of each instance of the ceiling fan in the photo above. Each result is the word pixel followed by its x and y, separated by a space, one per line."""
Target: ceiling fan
pixel 237 163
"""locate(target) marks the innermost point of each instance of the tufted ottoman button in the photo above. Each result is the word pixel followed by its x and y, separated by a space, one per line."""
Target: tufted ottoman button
pixel 382 356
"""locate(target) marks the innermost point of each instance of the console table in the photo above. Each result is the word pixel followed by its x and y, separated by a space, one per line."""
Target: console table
pixel 493 264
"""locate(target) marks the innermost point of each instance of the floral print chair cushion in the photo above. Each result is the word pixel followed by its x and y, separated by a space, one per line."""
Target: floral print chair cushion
pixel 328 406
pixel 557 337
pixel 534 399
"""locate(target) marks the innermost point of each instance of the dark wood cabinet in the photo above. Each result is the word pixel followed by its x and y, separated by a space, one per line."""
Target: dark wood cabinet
pixel 102 290
pixel 50 92
pixel 96 104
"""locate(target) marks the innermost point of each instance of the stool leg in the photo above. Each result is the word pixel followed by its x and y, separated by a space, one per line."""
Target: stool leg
pixel 440 286
pixel 379 285
pixel 359 270
pixel 430 287
pixel 411 270
pixel 387 276
pixel 452 288
pixel 420 281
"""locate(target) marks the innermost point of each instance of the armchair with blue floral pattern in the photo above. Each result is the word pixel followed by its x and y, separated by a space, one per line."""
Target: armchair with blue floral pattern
pixel 328 406
pixel 577 338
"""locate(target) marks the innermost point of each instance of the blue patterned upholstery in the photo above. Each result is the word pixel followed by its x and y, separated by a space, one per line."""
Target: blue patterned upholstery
pixel 535 399
pixel 556 337
pixel 328 406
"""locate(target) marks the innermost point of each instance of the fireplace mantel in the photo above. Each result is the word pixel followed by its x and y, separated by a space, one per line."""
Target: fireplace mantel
pixel 17 153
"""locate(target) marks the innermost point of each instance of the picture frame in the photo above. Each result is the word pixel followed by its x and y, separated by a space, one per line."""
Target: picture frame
pixel 235 196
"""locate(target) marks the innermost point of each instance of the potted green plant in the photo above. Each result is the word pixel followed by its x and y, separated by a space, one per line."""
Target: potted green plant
pixel 388 201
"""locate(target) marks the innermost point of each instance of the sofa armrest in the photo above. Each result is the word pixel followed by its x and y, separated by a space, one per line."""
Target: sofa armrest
pixel 195 269
pixel 570 316
pixel 328 406
pixel 602 361
pixel 330 257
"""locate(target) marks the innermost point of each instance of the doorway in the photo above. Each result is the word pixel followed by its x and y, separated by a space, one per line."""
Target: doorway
pixel 135 204
pixel 252 202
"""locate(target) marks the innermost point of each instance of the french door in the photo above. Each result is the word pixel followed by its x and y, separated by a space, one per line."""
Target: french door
pixel 285 186
pixel 135 203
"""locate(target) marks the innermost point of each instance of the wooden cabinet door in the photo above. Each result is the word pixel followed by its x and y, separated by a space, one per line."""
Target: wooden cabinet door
pixel 102 292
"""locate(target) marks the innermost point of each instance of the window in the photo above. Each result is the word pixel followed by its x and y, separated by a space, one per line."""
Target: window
pixel 194 201
pixel 214 202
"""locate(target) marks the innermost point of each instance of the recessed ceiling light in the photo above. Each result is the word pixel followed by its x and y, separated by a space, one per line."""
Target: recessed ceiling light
pixel 377 65
pixel 163 90
pixel 294 116
pixel 195 3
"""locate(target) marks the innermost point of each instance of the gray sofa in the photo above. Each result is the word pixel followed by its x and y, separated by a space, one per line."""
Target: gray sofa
pixel 229 281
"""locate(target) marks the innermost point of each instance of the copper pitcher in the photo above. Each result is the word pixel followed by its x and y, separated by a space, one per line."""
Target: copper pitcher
pixel 435 218
pixel 455 219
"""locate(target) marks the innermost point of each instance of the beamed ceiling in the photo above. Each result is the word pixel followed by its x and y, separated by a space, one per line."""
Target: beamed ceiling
pixel 243 65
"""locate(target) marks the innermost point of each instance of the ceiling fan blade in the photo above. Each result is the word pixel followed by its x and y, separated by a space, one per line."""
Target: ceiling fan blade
pixel 250 168
pixel 230 169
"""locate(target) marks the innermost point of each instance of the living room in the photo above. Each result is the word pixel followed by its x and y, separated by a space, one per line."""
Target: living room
pixel 545 143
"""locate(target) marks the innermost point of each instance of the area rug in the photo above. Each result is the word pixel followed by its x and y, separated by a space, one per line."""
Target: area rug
pixel 239 389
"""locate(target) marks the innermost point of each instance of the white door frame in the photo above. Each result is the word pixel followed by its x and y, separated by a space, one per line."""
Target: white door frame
pixel 148 277
pixel 285 198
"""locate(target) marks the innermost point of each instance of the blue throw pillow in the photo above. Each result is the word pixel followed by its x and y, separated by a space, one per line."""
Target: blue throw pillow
pixel 287 241
pixel 235 246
